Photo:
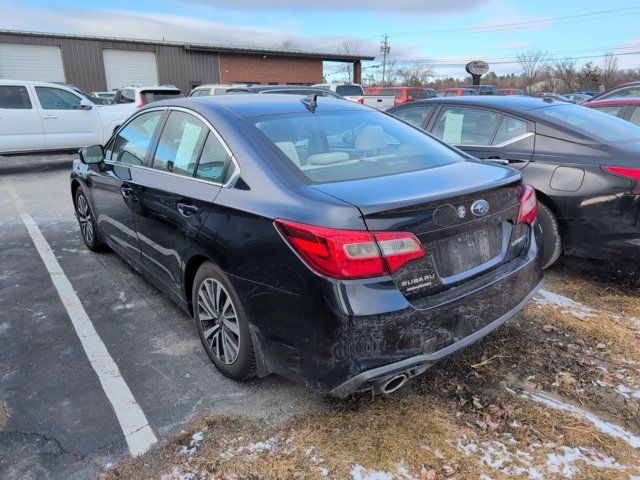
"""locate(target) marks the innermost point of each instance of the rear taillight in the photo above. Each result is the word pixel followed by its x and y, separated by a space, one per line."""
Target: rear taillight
pixel 361 100
pixel 528 205
pixel 346 254
pixel 630 174
pixel 141 104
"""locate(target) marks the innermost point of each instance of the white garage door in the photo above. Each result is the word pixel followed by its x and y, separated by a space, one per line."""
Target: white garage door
pixel 31 62
pixel 125 67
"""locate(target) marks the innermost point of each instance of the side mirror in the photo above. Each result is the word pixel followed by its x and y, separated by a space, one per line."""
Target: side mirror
pixel 91 155
pixel 84 105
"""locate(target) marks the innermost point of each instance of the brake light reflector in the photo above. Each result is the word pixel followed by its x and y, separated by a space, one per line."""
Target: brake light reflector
pixel 344 254
pixel 528 205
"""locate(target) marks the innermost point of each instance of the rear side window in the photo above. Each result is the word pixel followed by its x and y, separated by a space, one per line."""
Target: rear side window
pixel 348 145
pixel 510 128
pixel 57 99
pixel 150 96
pixel 127 96
pixel 635 116
pixel 14 97
pixel 415 115
pixel 180 144
pixel 349 90
pixel 214 161
pixel 466 126
pixel 611 109
pixel 132 142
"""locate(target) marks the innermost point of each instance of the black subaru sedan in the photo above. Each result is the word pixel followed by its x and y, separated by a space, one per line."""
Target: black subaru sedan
pixel 584 165
pixel 313 238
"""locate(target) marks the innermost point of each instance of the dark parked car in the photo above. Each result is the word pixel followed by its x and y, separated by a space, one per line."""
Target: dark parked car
pixel 625 108
pixel 483 89
pixel 326 242
pixel 294 90
pixel 625 90
pixel 585 165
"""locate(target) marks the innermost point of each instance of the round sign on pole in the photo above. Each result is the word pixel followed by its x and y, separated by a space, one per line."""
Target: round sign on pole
pixel 477 67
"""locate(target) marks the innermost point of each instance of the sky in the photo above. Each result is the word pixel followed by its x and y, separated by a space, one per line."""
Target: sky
pixel 443 34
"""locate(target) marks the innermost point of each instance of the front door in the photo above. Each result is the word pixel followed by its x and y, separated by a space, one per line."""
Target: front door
pixel 65 124
pixel 114 187
pixel 177 193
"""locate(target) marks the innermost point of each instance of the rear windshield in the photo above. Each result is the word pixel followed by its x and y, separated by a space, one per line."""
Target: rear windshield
pixel 396 92
pixel 349 90
pixel 597 125
pixel 156 95
pixel 338 146
pixel 417 93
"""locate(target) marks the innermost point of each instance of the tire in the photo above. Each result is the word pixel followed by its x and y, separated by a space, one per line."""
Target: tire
pixel 551 237
pixel 88 226
pixel 221 322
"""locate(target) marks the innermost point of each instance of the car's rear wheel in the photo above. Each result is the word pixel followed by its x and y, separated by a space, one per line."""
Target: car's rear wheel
pixel 550 235
pixel 222 323
pixel 88 229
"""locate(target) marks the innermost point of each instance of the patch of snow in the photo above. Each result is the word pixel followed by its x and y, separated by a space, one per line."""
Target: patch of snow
pixel 358 472
pixel 566 305
pixel 198 436
pixel 626 392
pixel 602 425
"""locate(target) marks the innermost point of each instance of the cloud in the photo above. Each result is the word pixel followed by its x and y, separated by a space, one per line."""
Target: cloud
pixel 418 7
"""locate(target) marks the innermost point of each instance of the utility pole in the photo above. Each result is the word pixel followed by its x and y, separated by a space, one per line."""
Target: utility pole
pixel 385 48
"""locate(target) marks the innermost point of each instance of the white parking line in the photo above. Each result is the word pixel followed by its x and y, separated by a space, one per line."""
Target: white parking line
pixel 133 422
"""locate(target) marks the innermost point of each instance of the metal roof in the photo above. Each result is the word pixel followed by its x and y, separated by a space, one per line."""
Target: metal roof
pixel 200 46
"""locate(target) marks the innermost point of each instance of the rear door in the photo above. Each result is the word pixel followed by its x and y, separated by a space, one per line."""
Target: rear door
pixel 65 124
pixel 177 192
pixel 486 133
pixel 20 123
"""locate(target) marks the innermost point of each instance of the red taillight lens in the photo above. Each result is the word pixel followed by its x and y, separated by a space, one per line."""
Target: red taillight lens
pixel 629 173
pixel 141 104
pixel 346 254
pixel 528 205
pixel 361 100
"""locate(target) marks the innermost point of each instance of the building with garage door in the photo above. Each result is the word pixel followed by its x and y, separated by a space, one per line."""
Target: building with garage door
pixel 98 64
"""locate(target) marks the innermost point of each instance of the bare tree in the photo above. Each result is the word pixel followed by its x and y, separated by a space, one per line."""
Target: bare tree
pixel 610 71
pixel 289 44
pixel 566 74
pixel 547 75
pixel 348 47
pixel 416 75
pixel 531 62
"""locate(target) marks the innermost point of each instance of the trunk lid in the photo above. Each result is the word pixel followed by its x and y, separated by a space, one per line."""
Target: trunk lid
pixel 464 215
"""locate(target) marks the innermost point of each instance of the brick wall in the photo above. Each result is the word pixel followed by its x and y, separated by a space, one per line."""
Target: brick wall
pixel 272 69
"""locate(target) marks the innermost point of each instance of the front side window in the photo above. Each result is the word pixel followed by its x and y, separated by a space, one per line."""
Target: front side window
pixel 132 142
pixel 349 145
pixel 415 115
pixel 14 97
pixel 214 161
pixel 587 121
pixel 466 126
pixel 180 144
pixel 510 128
pixel 57 99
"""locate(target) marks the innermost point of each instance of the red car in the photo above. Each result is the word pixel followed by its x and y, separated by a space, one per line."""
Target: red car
pixel 510 91
pixel 402 94
pixel 625 108
pixel 456 92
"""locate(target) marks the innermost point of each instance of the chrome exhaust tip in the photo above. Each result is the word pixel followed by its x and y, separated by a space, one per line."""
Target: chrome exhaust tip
pixel 393 384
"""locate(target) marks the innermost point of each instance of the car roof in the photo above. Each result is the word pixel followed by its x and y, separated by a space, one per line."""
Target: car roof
pixel 252 105
pixel 614 101
pixel 513 103
pixel 5 81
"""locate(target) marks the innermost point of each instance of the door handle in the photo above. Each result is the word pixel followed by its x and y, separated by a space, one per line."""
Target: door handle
pixel 186 209
pixel 126 191
pixel 49 117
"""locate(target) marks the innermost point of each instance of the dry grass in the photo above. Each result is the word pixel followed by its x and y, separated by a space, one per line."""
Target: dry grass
pixel 462 401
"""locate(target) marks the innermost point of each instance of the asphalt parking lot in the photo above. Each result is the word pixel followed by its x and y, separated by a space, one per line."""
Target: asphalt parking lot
pixel 55 419
pixel 576 347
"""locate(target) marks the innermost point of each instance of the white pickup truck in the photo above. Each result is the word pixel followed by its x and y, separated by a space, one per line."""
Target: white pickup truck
pixel 38 116
pixel 355 93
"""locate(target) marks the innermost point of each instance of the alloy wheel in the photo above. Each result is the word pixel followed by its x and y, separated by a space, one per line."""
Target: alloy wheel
pixel 84 217
pixel 217 316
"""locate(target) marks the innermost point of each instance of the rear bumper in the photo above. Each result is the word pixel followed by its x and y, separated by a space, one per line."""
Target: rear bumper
pixel 343 337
